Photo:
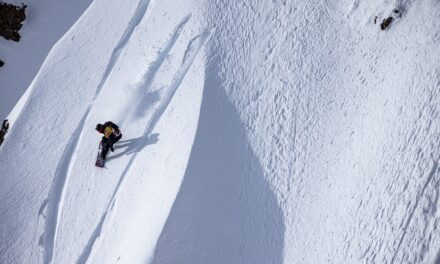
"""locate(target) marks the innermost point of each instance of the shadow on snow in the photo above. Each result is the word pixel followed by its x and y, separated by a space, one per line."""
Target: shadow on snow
pixel 131 146
pixel 225 211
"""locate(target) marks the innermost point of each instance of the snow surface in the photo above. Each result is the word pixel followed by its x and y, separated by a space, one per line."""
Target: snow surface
pixel 46 22
pixel 253 132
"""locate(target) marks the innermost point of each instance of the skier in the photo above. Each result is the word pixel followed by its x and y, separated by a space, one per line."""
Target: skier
pixel 4 130
pixel 112 134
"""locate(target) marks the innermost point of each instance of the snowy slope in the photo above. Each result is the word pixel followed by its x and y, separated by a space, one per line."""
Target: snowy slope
pixel 46 22
pixel 254 132
pixel 129 77
pixel 344 120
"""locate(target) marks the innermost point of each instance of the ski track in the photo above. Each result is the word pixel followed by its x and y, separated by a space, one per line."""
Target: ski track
pixel 147 81
pixel 141 10
pixel 190 54
pixel 149 75
pixel 53 201
pixel 432 173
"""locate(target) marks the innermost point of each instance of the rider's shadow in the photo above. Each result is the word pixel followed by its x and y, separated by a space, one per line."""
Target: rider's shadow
pixel 133 145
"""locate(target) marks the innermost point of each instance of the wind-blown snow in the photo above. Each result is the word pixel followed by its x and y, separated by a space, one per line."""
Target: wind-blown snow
pixel 253 132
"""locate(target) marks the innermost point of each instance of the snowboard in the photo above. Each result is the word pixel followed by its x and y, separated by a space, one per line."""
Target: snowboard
pixel 100 161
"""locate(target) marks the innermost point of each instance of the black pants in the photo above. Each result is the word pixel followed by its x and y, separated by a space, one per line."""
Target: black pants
pixel 107 143
pixel 4 130
pixel 2 136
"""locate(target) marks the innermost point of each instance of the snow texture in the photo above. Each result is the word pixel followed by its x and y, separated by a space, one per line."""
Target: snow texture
pixel 253 132
pixel 46 22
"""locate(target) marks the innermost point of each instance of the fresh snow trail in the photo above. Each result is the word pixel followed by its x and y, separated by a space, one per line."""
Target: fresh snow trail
pixel 146 83
pixel 148 77
pixel 303 133
pixel 61 175
pixel 193 49
pixel 59 94
pixel 140 12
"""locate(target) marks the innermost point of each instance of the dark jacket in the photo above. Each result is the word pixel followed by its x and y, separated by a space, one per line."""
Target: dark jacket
pixel 112 134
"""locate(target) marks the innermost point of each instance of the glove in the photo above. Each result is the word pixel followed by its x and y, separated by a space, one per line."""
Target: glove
pixel 112 149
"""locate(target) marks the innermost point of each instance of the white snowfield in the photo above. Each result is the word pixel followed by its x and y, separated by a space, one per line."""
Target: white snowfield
pixel 253 132
pixel 46 22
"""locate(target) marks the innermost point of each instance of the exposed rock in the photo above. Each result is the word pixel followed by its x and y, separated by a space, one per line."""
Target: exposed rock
pixel 393 16
pixel 386 23
pixel 11 19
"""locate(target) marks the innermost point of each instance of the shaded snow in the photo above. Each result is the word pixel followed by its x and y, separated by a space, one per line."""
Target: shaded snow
pixel 225 211
pixel 253 132
pixel 343 119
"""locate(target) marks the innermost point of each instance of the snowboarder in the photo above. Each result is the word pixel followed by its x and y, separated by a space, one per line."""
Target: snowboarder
pixel 4 130
pixel 112 134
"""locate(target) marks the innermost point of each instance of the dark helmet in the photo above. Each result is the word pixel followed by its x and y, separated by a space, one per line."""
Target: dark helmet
pixel 100 128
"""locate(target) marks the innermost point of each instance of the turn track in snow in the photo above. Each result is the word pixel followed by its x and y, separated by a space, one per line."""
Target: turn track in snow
pixel 54 200
pixel 192 50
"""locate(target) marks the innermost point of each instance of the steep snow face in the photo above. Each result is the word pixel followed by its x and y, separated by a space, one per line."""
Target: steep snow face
pixel 317 140
pixel 143 70
pixel 46 22
pixel 344 120
pixel 226 211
